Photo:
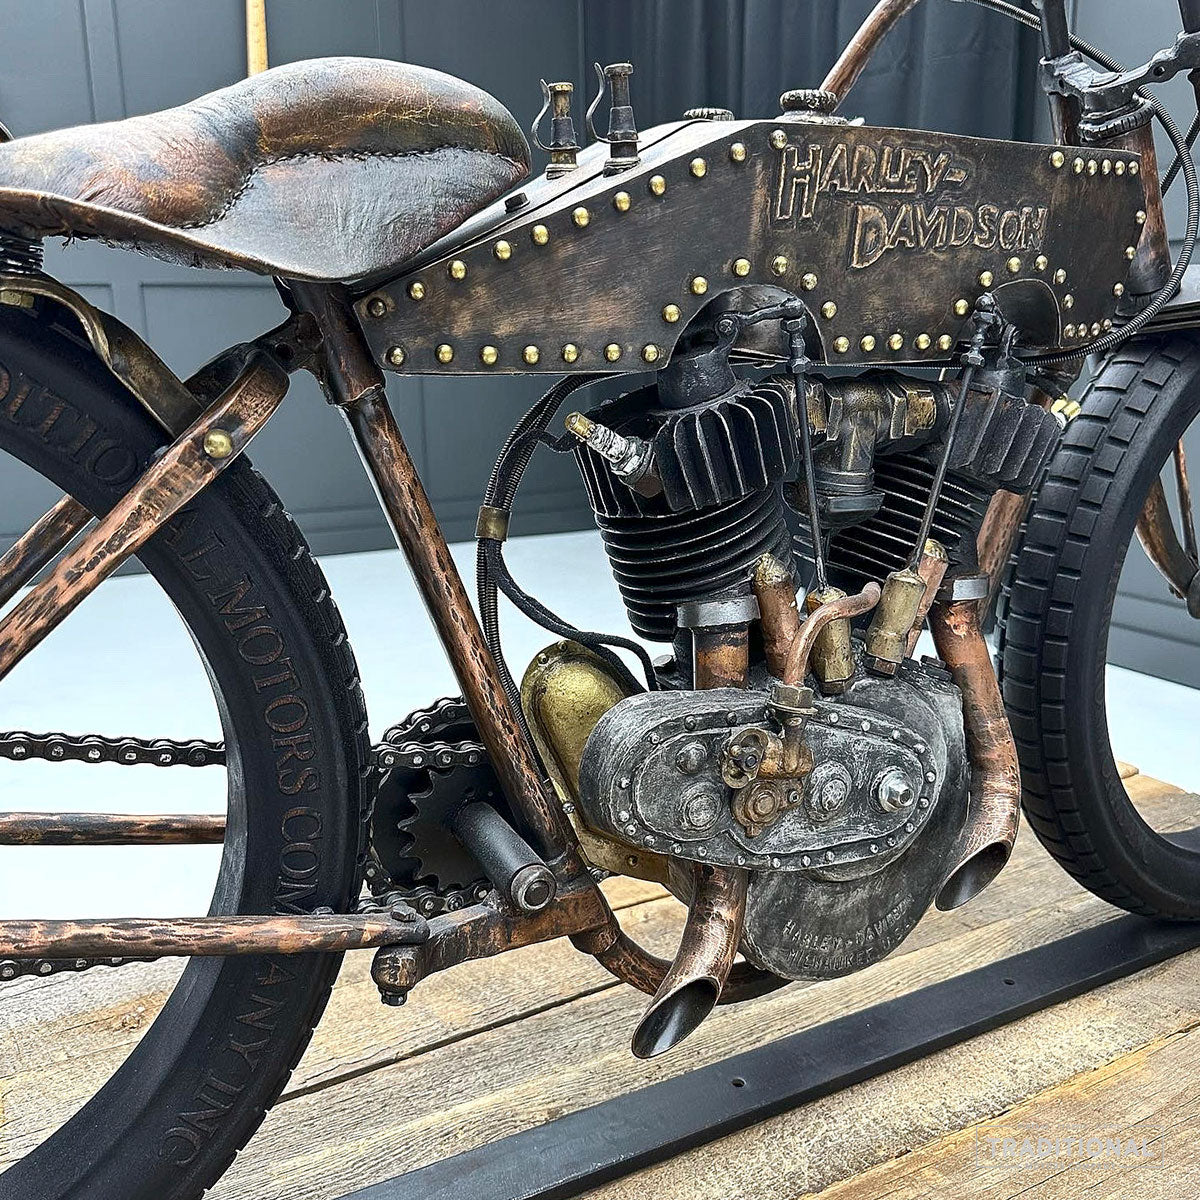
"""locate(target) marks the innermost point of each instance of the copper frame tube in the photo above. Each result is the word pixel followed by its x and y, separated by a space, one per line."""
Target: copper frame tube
pixel 997 536
pixel 1156 532
pixel 993 813
pixel 40 544
pixel 185 937
pixel 174 478
pixel 863 44
pixel 110 829
pixel 1183 489
pixel 846 606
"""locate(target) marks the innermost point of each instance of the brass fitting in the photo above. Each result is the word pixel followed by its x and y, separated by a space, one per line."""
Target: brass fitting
pixel 892 621
pixel 832 660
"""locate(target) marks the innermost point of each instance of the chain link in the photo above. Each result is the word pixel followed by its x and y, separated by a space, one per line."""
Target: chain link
pixel 401 747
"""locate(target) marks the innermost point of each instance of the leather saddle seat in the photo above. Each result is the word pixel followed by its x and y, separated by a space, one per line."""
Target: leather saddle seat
pixel 326 169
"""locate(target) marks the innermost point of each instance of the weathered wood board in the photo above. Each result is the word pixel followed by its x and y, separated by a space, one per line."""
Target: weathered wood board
pixel 497 1046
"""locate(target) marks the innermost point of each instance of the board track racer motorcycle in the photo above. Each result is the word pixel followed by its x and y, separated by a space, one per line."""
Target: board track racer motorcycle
pixel 790 771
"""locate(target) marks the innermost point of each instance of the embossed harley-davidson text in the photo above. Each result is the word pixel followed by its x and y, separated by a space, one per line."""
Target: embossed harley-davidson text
pixel 902 199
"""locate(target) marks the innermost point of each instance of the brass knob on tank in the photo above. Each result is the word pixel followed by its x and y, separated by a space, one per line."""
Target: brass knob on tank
pixel 563 147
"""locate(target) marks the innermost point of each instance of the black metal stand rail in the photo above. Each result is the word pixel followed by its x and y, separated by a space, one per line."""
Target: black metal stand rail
pixel 569 1155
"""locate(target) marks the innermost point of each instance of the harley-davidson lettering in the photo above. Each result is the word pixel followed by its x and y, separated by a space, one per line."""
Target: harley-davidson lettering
pixel 908 222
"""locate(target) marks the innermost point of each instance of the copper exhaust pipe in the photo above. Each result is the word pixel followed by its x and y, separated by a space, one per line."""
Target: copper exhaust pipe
pixel 717 901
pixel 695 980
pixel 994 810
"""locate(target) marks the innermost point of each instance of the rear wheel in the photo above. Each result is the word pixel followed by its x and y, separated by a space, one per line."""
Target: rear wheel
pixel 197 1084
pixel 1055 636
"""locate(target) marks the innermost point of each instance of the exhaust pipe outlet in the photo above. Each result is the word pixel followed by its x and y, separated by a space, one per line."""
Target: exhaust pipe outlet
pixel 994 809
pixel 694 982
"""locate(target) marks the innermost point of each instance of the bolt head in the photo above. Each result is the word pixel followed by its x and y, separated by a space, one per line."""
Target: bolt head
pixel 377 307
pixel 895 791
pixel 396 356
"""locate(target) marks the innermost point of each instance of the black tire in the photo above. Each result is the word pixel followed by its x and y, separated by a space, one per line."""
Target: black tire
pixel 1054 632
pixel 171 1119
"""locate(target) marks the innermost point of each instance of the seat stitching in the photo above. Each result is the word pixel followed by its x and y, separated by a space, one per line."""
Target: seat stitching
pixel 361 155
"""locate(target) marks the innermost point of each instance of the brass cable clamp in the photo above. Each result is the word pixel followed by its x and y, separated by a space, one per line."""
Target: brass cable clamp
pixel 492 523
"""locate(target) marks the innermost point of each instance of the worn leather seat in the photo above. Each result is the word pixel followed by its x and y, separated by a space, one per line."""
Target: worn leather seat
pixel 331 168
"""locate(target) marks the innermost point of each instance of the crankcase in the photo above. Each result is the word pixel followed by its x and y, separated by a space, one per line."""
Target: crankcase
pixel 651 774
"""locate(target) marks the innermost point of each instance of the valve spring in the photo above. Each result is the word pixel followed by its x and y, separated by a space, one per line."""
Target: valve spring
pixel 18 255
pixel 883 543
pixel 662 559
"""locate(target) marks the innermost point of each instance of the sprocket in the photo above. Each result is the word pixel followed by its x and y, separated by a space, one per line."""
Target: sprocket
pixel 411 843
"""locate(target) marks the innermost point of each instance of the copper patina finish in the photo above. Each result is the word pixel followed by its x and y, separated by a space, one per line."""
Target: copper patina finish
pixel 40 544
pixel 110 829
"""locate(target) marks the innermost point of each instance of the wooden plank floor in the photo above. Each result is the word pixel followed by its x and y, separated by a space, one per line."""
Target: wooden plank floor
pixel 494 1047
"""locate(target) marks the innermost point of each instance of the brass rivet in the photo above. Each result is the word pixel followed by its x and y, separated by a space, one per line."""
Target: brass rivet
pixel 1119 166
pixel 829 310
pixel 1013 265
pixel 395 356
pixel 458 269
pixel 1131 252
pixel 1057 158
pixel 1069 331
pixel 1134 168
pixel 779 264
pixel 698 167
pixel 622 201
pixel 658 184
pixel 445 353
pixel 945 342
pixel 1108 323
pixel 670 313
pixel 1077 166
pixel 868 343
pixel 1092 166
pixel 377 306
pixel 1068 301
pixel 896 342
pixel 737 152
pixel 1060 276
pixel 218 444
pixel 488 356
pixel 416 290
pixel 570 352
pixel 741 267
pixel 1118 289
pixel 540 235
pixel 961 308
pixel 923 341
pixel 699 285
pixel 808 281
pixel 841 345
pixel 1041 262
pixel 1106 167
pixel 1141 217
pixel 778 139
pixel 612 352
pixel 986 279
pixel 650 353
pixel 1096 329
pixel 531 354
pixel 502 250
pixel 581 216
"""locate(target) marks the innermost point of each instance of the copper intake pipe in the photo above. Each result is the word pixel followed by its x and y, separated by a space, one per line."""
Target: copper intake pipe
pixel 994 809
pixel 847 606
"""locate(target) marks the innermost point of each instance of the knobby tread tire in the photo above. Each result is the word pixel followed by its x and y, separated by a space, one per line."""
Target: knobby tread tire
pixel 1053 632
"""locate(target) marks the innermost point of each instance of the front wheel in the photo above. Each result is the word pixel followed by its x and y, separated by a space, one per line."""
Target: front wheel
pixel 1056 635
pixel 196 1085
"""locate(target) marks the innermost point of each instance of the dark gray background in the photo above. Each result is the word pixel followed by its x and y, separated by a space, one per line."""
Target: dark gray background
pixel 62 62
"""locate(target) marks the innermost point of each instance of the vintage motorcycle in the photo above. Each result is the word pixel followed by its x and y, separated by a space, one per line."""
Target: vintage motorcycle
pixel 789 770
